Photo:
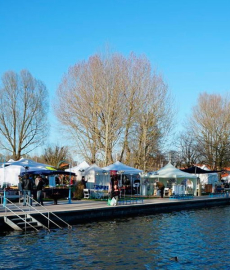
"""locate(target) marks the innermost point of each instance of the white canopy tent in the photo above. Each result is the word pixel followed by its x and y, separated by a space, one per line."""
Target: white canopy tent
pixel 169 173
pixel 29 164
pixel 120 167
pixel 79 170
pixel 9 175
pixel 126 172
pixel 12 169
pixel 95 176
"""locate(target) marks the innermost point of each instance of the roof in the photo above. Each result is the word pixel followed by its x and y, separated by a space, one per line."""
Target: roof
pixel 47 172
pixel 197 170
pixel 81 167
pixel 118 166
pixel 94 168
pixel 24 162
pixel 169 171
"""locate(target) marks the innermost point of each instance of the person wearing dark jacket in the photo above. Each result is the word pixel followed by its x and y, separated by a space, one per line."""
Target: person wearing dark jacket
pixel 162 191
pixel 40 186
pixel 83 181
pixel 161 187
pixel 27 187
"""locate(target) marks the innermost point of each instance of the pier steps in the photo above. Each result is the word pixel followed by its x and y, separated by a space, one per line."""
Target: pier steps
pixel 23 223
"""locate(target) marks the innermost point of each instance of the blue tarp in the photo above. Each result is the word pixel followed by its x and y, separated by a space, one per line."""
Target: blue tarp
pixel 47 172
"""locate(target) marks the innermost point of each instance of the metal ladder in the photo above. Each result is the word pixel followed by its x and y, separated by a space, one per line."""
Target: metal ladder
pixel 26 221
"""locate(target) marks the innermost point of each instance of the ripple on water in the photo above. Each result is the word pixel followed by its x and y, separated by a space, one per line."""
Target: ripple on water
pixel 198 238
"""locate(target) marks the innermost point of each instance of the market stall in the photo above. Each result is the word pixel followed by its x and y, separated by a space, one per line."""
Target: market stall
pixel 172 178
pixel 127 178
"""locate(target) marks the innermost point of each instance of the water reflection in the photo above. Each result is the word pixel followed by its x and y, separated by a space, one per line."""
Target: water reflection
pixel 198 238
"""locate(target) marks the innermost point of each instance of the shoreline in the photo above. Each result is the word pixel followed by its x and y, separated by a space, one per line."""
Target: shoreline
pixel 85 211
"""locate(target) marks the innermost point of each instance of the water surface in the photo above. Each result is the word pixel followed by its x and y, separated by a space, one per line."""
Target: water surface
pixel 200 240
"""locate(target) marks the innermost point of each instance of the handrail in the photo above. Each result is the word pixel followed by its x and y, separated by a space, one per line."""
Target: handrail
pixel 49 212
pixel 26 222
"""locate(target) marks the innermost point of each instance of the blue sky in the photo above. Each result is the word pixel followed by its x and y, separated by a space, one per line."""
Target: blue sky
pixel 186 41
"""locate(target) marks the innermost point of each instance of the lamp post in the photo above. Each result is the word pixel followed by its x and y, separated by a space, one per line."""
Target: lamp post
pixel 69 199
pixel 131 185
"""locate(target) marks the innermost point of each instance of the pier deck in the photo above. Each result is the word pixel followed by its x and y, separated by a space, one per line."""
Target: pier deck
pixel 79 211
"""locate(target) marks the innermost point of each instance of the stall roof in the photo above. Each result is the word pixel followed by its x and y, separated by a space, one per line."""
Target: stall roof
pixel 197 170
pixel 118 166
pixel 47 172
pixel 169 171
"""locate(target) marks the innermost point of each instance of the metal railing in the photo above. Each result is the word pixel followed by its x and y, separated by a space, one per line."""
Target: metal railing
pixel 21 210
pixel 28 198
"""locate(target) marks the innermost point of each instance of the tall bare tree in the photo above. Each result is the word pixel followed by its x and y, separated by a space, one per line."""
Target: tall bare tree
pixel 210 126
pixel 154 121
pixel 23 113
pixel 102 100
pixel 90 105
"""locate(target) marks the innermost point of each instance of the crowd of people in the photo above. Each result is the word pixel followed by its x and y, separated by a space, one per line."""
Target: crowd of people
pixel 34 185
pixel 27 184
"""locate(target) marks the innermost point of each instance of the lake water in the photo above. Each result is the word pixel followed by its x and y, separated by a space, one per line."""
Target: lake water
pixel 200 239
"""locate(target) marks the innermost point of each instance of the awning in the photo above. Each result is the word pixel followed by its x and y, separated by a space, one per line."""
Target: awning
pixel 197 170
pixel 47 172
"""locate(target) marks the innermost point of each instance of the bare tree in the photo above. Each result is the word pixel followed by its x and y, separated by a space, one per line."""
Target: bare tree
pixel 24 106
pixel 188 150
pixel 103 102
pixel 154 121
pixel 210 126
pixel 88 101
pixel 56 155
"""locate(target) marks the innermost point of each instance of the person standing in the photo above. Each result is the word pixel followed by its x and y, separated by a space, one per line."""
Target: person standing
pixel 27 187
pixel 162 188
pixel 19 183
pixel 40 187
pixel 115 194
pixel 37 180
pixel 83 181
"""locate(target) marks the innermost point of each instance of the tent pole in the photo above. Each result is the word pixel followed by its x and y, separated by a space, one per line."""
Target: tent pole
pixel 131 186
pixel 69 184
